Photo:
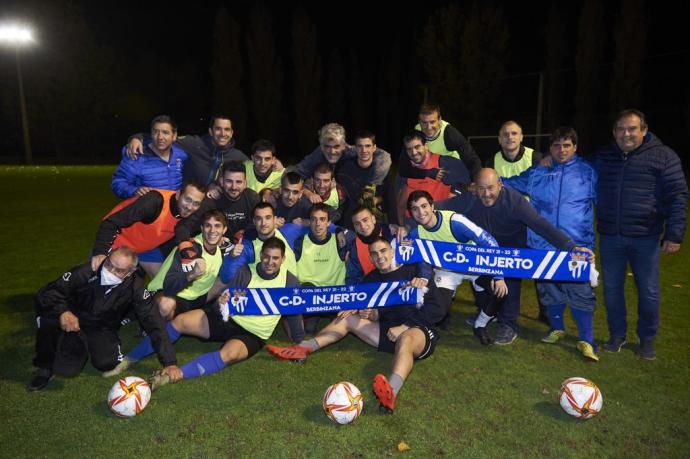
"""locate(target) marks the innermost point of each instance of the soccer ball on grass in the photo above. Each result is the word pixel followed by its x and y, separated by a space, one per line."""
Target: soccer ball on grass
pixel 343 403
pixel 129 396
pixel 580 397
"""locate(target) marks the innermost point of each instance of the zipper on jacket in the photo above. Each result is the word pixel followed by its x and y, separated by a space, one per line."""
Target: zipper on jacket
pixel 620 193
pixel 560 191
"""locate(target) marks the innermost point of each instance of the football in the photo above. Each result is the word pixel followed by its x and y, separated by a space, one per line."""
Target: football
pixel 129 396
pixel 343 403
pixel 580 397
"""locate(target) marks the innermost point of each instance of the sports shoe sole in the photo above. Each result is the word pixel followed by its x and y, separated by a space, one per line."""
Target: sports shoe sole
pixel 158 380
pixel 119 368
pixel 284 353
pixel 384 393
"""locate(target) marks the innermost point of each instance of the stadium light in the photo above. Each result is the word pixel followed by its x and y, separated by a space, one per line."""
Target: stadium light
pixel 16 34
pixel 19 36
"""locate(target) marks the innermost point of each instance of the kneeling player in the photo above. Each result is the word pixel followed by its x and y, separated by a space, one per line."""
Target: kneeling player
pixel 242 336
pixel 405 331
pixel 178 291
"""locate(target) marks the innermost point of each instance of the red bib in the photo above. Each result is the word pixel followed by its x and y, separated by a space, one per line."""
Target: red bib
pixel 142 237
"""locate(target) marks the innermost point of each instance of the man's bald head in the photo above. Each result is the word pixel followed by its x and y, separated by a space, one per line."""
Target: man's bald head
pixel 486 174
pixel 488 186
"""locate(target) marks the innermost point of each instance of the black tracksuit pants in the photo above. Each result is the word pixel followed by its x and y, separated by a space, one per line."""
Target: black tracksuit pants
pixel 66 353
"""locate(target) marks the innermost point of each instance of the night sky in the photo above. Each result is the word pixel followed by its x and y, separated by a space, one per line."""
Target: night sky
pixel 101 70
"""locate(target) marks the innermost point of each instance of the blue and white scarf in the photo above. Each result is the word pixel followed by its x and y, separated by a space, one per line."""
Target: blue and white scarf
pixel 496 261
pixel 315 300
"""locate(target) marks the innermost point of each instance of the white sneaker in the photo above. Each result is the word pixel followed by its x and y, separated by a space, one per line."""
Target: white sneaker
pixel 119 368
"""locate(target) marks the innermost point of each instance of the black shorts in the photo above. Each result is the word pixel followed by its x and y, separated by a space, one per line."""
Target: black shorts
pixel 431 335
pixel 224 331
pixel 183 305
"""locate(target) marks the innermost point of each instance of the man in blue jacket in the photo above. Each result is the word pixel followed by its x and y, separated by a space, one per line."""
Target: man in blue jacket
pixel 644 199
pixel 564 195
pixel 160 166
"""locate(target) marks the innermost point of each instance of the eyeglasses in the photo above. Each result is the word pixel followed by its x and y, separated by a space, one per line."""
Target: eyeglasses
pixel 119 272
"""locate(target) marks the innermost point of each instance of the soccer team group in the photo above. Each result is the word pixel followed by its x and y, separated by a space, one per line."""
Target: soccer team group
pixel 201 220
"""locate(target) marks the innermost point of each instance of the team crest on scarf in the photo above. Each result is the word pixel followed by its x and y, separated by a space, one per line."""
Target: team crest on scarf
pixel 405 293
pixel 238 300
pixel 576 267
pixel 406 250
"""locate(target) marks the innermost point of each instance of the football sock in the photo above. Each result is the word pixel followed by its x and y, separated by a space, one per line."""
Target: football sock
pixel 481 320
pixel 145 348
pixel 206 364
pixel 584 321
pixel 396 382
pixel 310 344
pixel 556 316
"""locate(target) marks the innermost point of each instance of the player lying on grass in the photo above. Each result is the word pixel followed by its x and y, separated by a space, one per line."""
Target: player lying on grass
pixel 405 331
pixel 79 314
pixel 242 336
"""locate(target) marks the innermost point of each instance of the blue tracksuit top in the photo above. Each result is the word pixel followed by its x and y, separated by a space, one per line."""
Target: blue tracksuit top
pixel 564 195
pixel 149 170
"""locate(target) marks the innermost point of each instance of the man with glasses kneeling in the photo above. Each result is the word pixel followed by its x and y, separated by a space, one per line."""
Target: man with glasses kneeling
pixel 79 314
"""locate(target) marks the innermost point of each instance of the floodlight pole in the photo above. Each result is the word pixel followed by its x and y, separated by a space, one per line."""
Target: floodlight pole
pixel 28 156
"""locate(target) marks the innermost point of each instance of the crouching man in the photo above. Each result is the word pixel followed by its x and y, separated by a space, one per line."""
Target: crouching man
pixel 79 315
pixel 405 331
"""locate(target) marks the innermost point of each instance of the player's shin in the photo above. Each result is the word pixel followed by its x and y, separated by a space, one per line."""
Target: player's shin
pixel 203 365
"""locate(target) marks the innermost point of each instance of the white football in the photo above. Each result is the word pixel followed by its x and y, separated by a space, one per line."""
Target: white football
pixel 343 402
pixel 129 396
pixel 580 397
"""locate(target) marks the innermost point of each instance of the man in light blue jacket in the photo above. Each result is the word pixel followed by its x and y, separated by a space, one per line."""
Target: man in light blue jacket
pixel 160 166
pixel 565 195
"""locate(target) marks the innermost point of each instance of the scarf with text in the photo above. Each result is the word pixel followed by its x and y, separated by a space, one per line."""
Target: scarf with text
pixel 316 300
pixel 497 261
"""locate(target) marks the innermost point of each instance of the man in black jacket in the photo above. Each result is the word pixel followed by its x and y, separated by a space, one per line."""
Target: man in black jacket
pixel 79 314
pixel 643 199
pixel 506 214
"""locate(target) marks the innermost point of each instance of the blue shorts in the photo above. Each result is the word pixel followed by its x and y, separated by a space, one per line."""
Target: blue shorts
pixel 152 256
pixel 579 295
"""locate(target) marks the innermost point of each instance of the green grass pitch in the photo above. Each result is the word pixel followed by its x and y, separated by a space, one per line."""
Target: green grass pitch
pixel 465 401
